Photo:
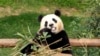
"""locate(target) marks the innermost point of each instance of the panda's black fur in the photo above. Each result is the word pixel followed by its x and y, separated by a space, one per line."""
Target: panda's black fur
pixel 62 36
pixel 54 37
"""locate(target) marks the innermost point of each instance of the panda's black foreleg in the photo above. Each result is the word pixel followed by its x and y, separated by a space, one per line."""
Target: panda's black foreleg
pixel 27 50
pixel 66 48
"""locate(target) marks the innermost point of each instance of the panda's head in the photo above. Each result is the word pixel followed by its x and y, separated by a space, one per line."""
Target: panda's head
pixel 52 22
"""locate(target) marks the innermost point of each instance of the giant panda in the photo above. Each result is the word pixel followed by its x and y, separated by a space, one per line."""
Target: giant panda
pixel 53 25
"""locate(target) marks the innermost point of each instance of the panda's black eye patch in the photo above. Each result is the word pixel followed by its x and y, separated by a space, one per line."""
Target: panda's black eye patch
pixel 46 23
pixel 54 20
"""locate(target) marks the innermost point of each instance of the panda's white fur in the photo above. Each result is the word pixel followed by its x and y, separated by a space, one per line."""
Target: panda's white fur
pixel 57 27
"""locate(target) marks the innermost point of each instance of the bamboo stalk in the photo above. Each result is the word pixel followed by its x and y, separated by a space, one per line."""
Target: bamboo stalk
pixel 85 42
pixel 8 42
pixel 74 42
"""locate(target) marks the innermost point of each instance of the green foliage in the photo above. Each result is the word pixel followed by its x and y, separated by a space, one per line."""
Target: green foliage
pixel 79 4
pixel 85 27
pixel 5 51
pixel 9 26
pixel 94 23
pixel 86 51
pixel 93 26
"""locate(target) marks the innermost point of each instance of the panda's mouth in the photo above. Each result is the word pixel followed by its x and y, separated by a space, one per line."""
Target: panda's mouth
pixel 53 29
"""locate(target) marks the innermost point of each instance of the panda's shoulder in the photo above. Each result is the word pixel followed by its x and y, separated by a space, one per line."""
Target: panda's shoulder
pixel 63 32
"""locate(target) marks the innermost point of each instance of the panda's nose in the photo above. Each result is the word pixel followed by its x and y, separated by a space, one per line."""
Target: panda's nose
pixel 51 25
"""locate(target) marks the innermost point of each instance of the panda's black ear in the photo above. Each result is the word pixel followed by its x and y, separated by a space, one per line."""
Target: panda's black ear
pixel 40 18
pixel 57 12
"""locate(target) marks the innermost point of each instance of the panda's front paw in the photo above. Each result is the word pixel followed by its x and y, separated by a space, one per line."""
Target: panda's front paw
pixel 27 50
